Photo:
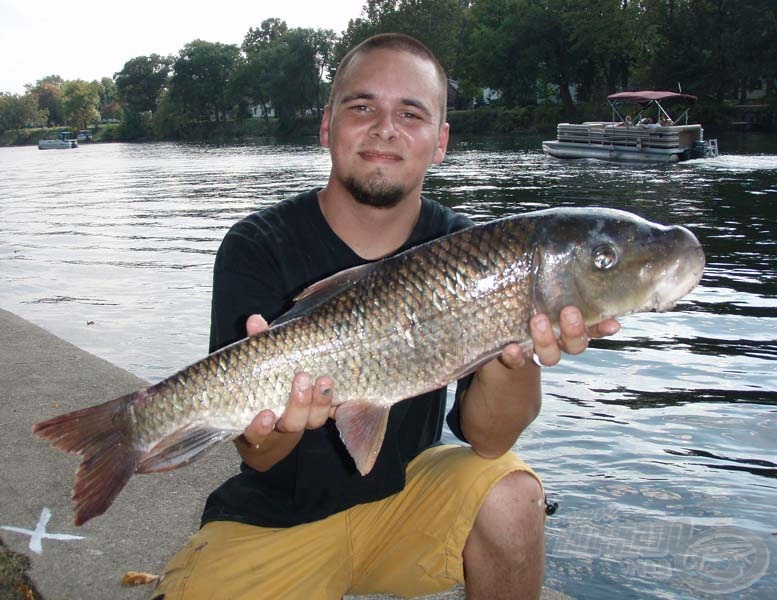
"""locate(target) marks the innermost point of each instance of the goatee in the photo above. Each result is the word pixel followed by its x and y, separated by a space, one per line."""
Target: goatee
pixel 377 194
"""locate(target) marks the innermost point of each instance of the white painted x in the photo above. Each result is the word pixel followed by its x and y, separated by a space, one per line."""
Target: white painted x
pixel 39 533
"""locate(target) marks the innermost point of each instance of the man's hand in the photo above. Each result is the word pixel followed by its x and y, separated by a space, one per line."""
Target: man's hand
pixel 574 340
pixel 267 439
pixel 574 335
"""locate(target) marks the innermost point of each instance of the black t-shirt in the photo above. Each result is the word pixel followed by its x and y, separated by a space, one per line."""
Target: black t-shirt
pixel 264 261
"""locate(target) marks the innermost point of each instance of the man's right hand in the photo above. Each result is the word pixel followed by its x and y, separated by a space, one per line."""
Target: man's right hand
pixel 268 439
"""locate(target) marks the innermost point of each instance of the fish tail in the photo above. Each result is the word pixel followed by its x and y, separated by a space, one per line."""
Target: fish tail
pixel 102 435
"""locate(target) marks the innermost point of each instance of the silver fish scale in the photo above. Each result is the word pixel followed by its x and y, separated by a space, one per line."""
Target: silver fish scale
pixel 408 327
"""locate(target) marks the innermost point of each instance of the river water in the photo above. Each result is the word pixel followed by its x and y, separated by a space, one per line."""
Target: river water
pixel 659 444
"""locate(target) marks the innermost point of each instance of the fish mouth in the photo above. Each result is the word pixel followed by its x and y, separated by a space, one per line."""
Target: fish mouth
pixel 681 277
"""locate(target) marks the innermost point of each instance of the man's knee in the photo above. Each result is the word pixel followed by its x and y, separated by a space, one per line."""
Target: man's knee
pixel 512 516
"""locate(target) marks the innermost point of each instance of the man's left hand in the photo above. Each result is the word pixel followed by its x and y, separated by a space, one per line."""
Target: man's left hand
pixel 574 335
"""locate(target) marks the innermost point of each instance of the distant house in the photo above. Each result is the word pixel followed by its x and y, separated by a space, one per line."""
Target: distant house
pixel 257 111
pixel 458 101
pixel 753 110
pixel 757 92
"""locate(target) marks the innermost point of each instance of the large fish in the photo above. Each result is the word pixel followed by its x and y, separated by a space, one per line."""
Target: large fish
pixel 384 332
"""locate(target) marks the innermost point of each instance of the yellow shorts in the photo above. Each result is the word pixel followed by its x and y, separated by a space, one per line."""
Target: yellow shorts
pixel 408 544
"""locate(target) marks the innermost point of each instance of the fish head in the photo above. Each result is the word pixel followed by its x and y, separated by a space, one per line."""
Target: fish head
pixel 610 263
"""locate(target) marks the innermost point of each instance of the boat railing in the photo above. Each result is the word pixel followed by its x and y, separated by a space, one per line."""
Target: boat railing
pixel 637 136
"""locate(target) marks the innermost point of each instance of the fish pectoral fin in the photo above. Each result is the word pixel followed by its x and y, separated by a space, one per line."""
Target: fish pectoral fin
pixel 362 426
pixel 182 447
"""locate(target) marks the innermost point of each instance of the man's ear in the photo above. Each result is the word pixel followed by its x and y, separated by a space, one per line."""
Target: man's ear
pixel 323 129
pixel 442 144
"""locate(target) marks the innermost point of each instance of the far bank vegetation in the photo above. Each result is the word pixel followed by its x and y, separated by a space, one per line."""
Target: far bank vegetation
pixel 513 64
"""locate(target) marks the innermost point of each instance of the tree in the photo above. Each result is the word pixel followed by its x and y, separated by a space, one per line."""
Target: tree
pixel 283 69
pixel 436 23
pixel 522 46
pixel 715 48
pixel 259 38
pixel 80 100
pixel 141 81
pixel 604 34
pixel 48 91
pixel 323 42
pixel 251 81
pixel 508 47
pixel 296 84
pixel 253 78
pixel 107 90
pixel 201 75
pixel 17 112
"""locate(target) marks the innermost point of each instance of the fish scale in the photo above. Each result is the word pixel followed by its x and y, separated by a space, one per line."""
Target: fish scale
pixel 384 332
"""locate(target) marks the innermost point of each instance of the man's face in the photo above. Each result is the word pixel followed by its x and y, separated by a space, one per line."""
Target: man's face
pixel 383 126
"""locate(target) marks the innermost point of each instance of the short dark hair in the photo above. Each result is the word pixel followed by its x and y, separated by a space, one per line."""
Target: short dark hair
pixel 394 41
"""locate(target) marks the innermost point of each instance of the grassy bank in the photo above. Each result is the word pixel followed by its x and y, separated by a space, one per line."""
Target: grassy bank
pixel 14 582
pixel 482 121
pixel 31 136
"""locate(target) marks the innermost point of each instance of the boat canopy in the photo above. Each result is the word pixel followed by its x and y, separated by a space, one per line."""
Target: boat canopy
pixel 647 99
pixel 650 96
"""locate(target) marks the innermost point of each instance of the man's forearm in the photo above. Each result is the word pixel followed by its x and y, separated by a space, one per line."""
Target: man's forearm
pixel 499 404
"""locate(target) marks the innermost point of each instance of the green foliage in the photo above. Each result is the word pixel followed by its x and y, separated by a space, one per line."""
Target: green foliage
pixel 199 84
pixel 490 120
pixel 17 111
pixel 15 583
pixel 283 71
pixel 504 46
pixel 106 133
pixel 80 100
pixel 134 126
pixel 713 113
pixel 107 90
pixel 141 81
pixel 168 121
pixel 296 84
pixel 49 93
pixel 436 23
pixel 547 116
pixel 259 38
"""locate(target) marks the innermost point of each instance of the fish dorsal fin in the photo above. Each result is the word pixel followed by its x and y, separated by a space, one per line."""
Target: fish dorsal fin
pixel 323 290
pixel 182 447
pixel 362 426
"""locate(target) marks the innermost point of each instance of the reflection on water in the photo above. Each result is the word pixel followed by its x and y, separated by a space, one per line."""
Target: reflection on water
pixel 672 421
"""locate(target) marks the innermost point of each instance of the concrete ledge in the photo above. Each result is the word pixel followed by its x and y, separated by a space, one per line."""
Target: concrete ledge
pixel 41 376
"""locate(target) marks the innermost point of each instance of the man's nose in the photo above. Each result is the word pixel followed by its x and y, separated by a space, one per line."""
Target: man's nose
pixel 385 126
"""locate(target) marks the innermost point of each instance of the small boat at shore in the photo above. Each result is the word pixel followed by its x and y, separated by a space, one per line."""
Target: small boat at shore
pixel 61 142
pixel 651 135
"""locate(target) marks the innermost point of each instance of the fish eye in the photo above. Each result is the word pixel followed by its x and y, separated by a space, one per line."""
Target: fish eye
pixel 605 257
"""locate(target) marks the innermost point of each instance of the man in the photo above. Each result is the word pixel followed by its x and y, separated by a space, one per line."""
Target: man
pixel 299 521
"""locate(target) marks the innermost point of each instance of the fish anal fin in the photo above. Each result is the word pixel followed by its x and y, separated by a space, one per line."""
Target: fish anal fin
pixel 362 426
pixel 182 447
